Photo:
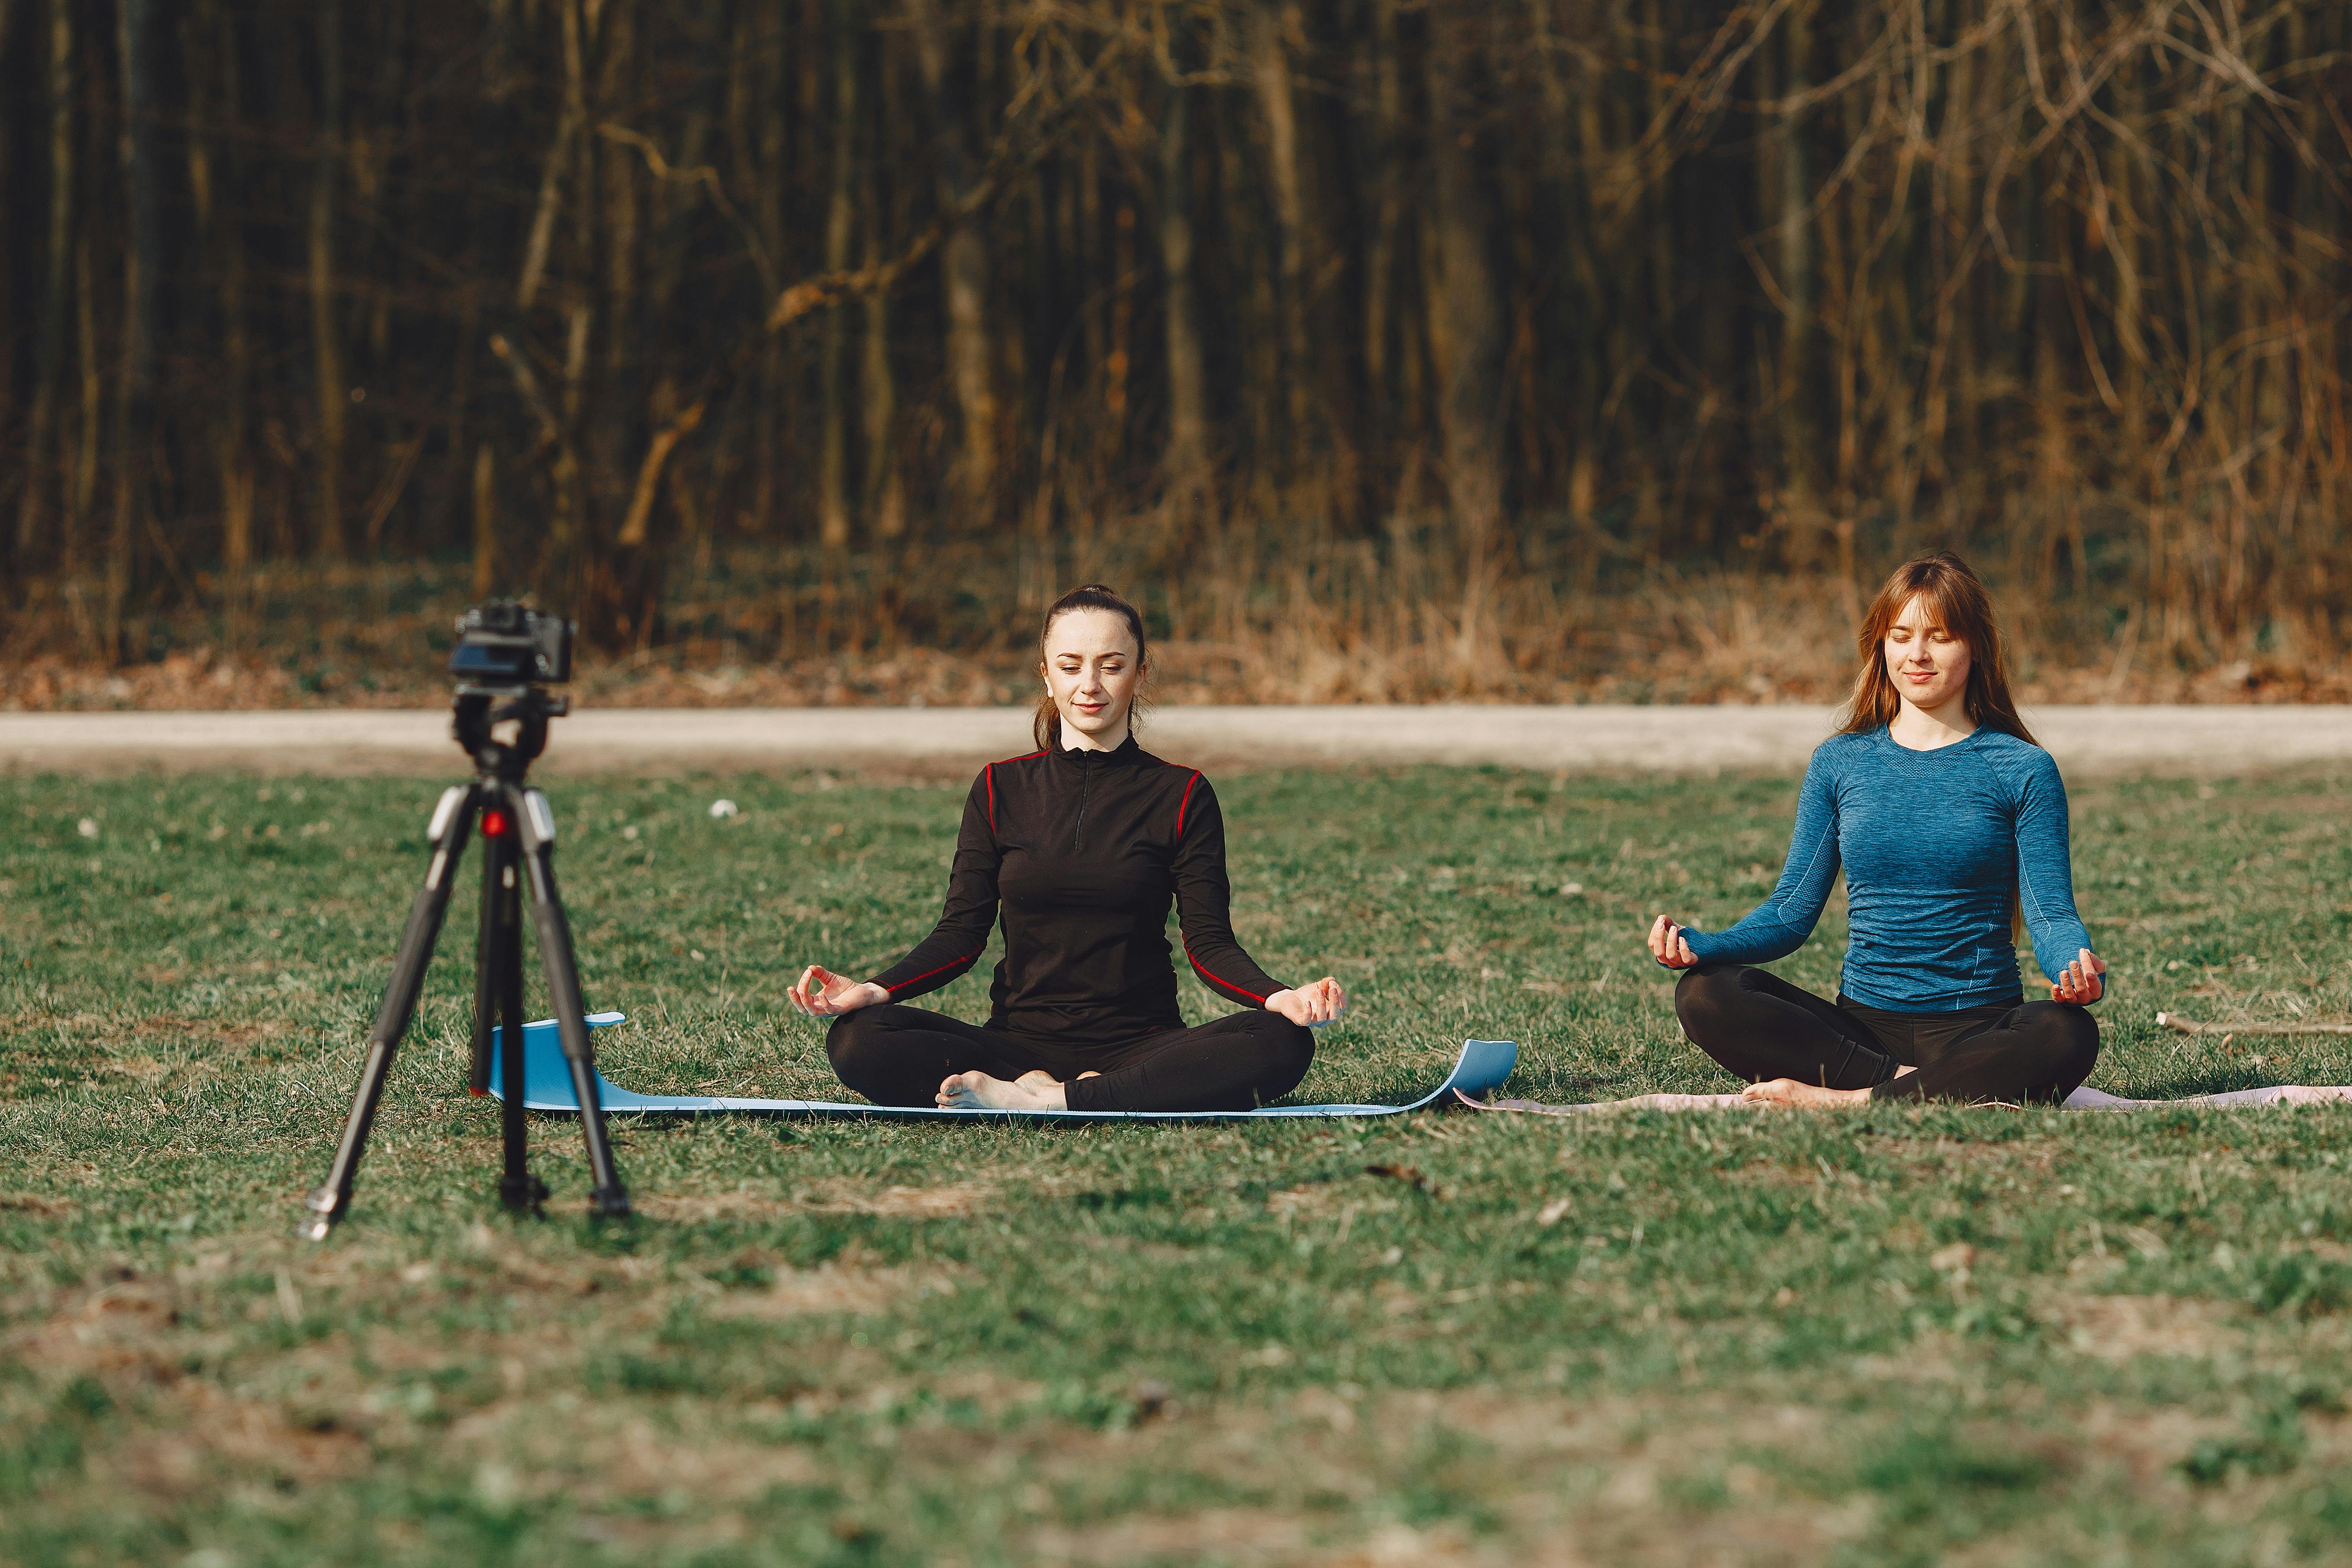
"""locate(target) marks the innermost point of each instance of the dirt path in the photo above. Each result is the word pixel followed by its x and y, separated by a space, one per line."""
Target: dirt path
pixel 2216 740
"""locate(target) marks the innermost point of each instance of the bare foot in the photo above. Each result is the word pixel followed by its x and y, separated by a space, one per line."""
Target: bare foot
pixel 1789 1091
pixel 1036 1077
pixel 978 1091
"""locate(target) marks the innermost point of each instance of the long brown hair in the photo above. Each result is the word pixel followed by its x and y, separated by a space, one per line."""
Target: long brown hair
pixel 1958 601
pixel 1046 726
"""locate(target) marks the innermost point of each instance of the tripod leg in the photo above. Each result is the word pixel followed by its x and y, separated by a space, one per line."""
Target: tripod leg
pixel 503 893
pixel 609 1198
pixel 488 964
pixel 452 821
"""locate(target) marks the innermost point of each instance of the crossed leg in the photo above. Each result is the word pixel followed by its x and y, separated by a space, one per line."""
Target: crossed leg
pixel 896 1055
pixel 1795 1048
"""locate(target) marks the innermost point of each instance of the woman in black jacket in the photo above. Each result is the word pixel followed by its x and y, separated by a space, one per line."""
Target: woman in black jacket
pixel 1083 844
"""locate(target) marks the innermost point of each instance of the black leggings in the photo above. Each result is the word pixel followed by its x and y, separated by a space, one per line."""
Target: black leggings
pixel 1760 1026
pixel 896 1055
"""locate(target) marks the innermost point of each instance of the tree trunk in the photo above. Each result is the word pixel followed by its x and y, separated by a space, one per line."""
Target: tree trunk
pixel 1787 199
pixel 623 572
pixel 132 454
pixel 767 176
pixel 81 497
pixel 326 331
pixel 885 485
pixel 963 267
pixel 1270 73
pixel 618 405
pixel 44 474
pixel 217 169
pixel 1085 258
pixel 1118 361
pixel 1464 324
pixel 12 222
pixel 486 522
pixel 1253 317
pixel 840 227
pixel 565 556
pixel 1187 457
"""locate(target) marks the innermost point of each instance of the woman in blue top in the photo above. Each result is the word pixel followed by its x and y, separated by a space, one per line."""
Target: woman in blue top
pixel 1950 825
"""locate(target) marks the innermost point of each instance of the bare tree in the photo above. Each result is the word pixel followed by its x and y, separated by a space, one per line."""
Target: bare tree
pixel 326 328
pixel 963 262
pixel 1464 324
pixel 44 474
pixel 132 455
pixel 1187 457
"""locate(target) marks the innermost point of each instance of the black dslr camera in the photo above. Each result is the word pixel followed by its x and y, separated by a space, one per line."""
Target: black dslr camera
pixel 504 646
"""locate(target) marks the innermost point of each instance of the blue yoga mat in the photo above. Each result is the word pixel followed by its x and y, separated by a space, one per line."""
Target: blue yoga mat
pixel 547 1086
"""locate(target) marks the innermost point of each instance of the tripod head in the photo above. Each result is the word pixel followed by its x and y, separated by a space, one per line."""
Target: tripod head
pixel 477 709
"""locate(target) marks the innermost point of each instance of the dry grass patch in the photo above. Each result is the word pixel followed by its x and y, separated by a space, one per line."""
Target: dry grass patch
pixel 1226 1535
pixel 1325 1200
pixel 2033 1157
pixel 844 1285
pixel 217 1031
pixel 700 1208
pixel 110 1329
pixel 1515 1479
pixel 129 1337
pixel 691 1452
pixel 218 1435
pixel 2119 1328
pixel 1775 1174
pixel 33 1204
pixel 953 1200
pixel 828 1194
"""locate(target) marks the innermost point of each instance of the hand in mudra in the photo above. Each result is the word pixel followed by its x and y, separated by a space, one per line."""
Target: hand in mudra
pixel 1313 1006
pixel 1668 946
pixel 821 994
pixel 2079 982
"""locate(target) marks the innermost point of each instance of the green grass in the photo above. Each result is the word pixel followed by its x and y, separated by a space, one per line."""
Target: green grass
pixel 1888 1336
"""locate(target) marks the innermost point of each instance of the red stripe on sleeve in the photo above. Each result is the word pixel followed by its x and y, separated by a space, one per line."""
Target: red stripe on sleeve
pixel 1215 981
pixel 942 969
pixel 990 774
pixel 1182 804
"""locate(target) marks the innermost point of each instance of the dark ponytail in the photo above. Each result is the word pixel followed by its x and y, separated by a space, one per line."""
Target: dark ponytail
pixel 1047 724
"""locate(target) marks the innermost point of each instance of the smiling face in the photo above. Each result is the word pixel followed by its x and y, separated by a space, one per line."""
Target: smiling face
pixel 1929 665
pixel 1091 668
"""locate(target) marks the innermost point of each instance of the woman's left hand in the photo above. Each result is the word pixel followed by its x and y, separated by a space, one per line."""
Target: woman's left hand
pixel 1313 1006
pixel 2080 984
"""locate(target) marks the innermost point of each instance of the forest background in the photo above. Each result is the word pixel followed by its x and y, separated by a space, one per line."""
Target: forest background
pixel 1383 349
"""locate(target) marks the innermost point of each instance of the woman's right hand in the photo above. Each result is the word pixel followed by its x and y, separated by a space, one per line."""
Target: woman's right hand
pixel 1311 1006
pixel 821 994
pixel 1668 947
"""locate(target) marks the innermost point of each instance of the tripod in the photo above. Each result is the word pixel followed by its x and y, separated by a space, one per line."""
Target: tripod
pixel 518 847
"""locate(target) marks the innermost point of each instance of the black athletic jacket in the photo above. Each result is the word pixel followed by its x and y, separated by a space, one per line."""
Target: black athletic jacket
pixel 1084 850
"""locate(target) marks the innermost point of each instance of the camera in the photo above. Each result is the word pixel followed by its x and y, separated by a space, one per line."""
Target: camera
pixel 505 645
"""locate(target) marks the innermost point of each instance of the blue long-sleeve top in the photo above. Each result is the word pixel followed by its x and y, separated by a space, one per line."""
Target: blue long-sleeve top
pixel 1934 845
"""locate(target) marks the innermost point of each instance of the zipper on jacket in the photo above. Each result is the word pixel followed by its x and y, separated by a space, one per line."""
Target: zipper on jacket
pixel 1078 828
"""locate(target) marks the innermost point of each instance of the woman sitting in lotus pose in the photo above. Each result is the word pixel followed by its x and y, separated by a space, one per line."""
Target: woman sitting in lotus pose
pixel 1082 843
pixel 1950 823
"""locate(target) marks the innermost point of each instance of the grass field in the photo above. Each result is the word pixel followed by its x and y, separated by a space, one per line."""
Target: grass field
pixel 1886 1337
